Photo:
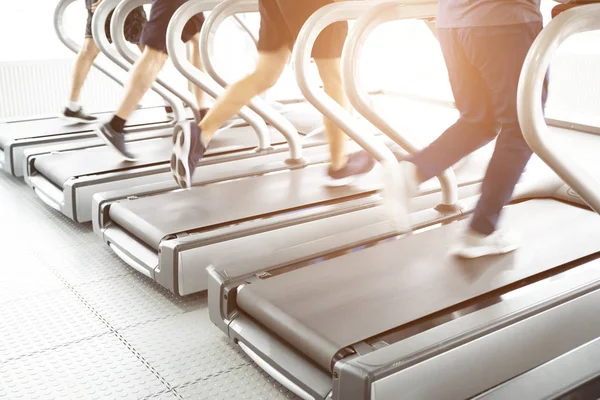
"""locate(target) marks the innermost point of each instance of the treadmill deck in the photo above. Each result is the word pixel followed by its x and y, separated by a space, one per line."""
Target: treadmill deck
pixel 325 307
pixel 60 167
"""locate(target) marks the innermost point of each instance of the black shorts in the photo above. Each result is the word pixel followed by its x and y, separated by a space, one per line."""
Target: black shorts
pixel 133 24
pixel 281 21
pixel 155 31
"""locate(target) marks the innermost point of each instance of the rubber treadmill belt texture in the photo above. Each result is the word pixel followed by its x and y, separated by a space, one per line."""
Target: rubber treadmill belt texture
pixel 325 307
pixel 152 218
pixel 56 126
pixel 60 167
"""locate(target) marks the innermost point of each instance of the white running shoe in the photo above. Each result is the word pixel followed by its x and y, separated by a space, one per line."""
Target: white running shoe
pixel 475 245
pixel 399 186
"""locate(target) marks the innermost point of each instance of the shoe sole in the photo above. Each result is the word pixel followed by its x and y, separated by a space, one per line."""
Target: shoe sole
pixel 180 166
pixel 482 251
pixel 349 180
pixel 77 120
pixel 106 140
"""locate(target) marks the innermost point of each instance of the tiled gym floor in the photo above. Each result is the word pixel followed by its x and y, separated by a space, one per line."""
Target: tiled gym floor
pixel 76 323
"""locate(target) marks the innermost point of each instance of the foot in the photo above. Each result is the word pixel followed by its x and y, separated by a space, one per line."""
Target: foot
pixel 474 245
pixel 358 164
pixel 188 149
pixel 79 116
pixel 114 139
pixel 400 184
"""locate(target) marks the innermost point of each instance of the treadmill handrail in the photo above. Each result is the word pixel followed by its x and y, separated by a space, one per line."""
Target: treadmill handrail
pixel 531 117
pixel 246 28
pixel 63 36
pixel 358 96
pixel 301 56
pixel 117 31
pixel 177 54
pixel 218 15
pixel 98 23
pixel 353 127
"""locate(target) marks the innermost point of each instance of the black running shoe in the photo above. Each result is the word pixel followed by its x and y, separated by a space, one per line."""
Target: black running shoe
pixel 79 116
pixel 187 152
pixel 358 164
pixel 114 139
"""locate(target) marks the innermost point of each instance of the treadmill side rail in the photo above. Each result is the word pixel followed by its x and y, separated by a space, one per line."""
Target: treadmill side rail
pixel 307 380
pixel 305 377
pixel 132 252
pixel 542 319
pixel 563 375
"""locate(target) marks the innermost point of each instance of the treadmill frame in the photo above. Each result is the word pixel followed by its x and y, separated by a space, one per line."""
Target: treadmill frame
pixel 445 350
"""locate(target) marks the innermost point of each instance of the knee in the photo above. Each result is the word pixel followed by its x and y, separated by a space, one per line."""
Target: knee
pixel 89 51
pixel 195 41
pixel 329 70
pixel 486 128
pixel 264 79
pixel 153 57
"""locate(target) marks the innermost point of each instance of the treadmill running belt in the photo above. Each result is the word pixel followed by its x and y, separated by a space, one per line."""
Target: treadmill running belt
pixel 152 218
pixel 325 307
pixel 55 126
pixel 60 167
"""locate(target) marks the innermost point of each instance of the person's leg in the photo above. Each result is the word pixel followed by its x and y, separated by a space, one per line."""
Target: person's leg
pixel 268 69
pixel 329 70
pixel 274 49
pixel 476 125
pixel 81 69
pixel 143 73
pixel 142 76
pixel 192 141
pixel 83 64
pixel 501 69
pixel 193 54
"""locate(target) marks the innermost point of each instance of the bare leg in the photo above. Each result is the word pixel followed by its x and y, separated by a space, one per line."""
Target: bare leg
pixel 269 68
pixel 84 62
pixel 193 55
pixel 329 69
pixel 142 76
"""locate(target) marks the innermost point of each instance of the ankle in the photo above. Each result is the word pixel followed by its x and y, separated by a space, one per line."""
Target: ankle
pixel 117 124
pixel 339 163
pixel 73 106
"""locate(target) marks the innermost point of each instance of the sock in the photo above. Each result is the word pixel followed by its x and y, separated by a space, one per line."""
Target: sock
pixel 117 123
pixel 73 106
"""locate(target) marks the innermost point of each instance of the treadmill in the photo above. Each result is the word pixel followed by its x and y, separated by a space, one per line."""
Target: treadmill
pixel 18 136
pixel 170 247
pixel 400 318
pixel 67 179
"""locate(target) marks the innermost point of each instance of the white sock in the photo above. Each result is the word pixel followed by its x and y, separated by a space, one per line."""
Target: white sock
pixel 73 106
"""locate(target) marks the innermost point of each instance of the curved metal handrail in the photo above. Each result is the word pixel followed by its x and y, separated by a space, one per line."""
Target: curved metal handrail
pixel 246 29
pixel 177 53
pixel 98 23
pixel 356 129
pixel 531 116
pixel 218 15
pixel 59 28
pixel 358 96
pixel 327 15
pixel 117 27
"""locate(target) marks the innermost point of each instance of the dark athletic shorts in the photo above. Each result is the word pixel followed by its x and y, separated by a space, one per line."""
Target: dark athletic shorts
pixel 155 31
pixel 133 24
pixel 281 21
